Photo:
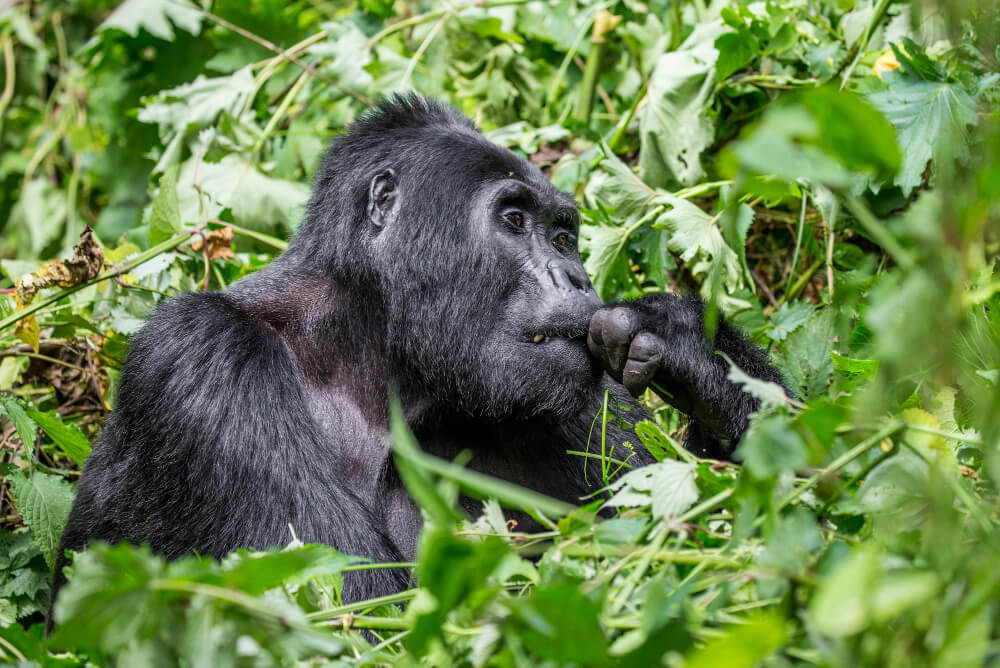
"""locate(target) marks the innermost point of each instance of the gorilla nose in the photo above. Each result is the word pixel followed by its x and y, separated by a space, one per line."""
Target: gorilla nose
pixel 573 283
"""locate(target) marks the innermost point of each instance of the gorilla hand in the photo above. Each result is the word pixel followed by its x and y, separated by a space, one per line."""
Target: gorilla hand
pixel 659 342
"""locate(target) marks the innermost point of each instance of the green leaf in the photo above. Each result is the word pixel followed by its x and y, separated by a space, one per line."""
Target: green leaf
pixel 805 359
pixel 736 50
pixel 675 126
pixel 165 212
pixel 668 486
pixel 695 235
pixel 824 135
pixel 743 645
pixel 788 318
pixel 154 16
pixel 771 447
pixel 44 501
pixel 930 119
pixel 24 425
pixel 853 368
pixel 68 438
pixel 558 622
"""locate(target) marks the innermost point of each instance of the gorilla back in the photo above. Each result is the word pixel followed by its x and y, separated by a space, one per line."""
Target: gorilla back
pixel 430 261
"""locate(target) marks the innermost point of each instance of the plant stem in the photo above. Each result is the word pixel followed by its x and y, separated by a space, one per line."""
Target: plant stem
pixel 388 599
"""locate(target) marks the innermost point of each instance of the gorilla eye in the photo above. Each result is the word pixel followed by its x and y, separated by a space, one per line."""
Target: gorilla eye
pixel 562 240
pixel 515 219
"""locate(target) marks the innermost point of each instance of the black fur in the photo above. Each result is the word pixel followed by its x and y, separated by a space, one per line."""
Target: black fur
pixel 246 414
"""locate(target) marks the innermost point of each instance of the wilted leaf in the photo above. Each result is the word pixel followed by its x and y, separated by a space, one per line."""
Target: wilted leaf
pixel 220 244
pixel 86 263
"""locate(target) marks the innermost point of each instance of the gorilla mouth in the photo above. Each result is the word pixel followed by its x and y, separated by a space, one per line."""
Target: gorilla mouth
pixel 546 334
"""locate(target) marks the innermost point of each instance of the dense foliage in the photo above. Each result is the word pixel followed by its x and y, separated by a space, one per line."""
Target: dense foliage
pixel 825 172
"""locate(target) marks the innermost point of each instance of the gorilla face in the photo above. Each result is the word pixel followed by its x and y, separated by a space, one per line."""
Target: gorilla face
pixel 488 300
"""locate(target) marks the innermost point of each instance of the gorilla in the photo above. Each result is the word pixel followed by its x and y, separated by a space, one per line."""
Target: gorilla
pixel 432 264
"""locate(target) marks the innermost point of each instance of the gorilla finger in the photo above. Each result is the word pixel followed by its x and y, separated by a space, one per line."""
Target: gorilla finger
pixel 637 376
pixel 616 332
pixel 595 340
pixel 645 358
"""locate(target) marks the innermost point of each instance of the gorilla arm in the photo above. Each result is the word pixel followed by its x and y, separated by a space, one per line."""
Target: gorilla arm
pixel 659 342
pixel 212 448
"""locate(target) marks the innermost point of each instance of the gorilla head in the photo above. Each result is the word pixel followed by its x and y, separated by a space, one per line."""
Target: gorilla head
pixel 464 253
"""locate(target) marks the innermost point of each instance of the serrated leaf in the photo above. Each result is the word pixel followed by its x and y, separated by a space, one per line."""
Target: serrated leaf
pixel 788 318
pixel 68 438
pixel 695 235
pixel 44 501
pixel 668 486
pixel 155 16
pixel 931 120
pixel 805 358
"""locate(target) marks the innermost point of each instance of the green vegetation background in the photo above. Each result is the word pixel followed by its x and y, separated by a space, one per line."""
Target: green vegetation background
pixel 826 173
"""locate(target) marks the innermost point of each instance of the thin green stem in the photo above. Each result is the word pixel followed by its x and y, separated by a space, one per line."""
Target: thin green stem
pixel 798 239
pixel 389 599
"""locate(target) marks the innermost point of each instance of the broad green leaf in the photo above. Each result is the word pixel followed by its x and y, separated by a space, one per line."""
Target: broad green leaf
pixel 824 135
pixel 805 359
pixel 11 370
pixel 853 368
pixel 558 622
pixel 155 16
pixel 931 120
pixel 38 216
pixel 257 201
pixel 165 212
pixel 675 126
pixel 70 440
pixel 736 50
pixel 44 501
pixel 695 235
pixel 198 104
pixel 668 486
pixel 788 318
pixel 603 246
pixel 618 188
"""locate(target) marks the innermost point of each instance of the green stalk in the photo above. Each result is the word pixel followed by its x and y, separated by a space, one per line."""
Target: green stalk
pixel 585 104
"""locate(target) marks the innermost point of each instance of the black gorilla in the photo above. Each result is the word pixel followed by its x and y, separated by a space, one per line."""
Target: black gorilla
pixel 429 260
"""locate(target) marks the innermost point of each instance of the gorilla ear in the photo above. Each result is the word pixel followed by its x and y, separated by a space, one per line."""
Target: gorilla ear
pixel 383 199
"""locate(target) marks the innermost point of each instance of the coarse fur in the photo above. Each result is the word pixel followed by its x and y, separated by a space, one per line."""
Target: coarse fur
pixel 430 262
